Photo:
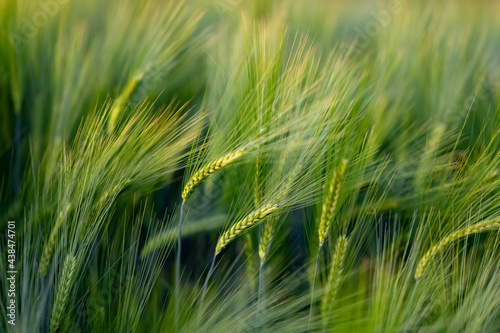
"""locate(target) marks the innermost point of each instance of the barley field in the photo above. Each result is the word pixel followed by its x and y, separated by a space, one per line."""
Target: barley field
pixel 249 166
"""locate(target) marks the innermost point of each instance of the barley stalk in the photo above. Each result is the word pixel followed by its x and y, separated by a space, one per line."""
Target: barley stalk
pixel 122 101
pixel 48 249
pixel 258 181
pixel 258 187
pixel 65 285
pixel 253 219
pixel 331 201
pixel 453 237
pixel 208 170
pixel 248 250
pixel 335 275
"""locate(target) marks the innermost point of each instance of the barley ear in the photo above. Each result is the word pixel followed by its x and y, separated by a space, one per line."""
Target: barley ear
pixel 335 275
pixel 121 102
pixel 48 249
pixel 331 201
pixel 63 291
pixel 431 149
pixel 266 237
pixel 453 237
pixel 209 169
pixel 250 221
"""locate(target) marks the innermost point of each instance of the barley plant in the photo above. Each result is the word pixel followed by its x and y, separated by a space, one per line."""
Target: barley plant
pixel 249 166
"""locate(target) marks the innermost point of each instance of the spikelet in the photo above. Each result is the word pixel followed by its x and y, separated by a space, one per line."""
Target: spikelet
pixel 267 237
pixel 457 235
pixel 208 170
pixel 122 101
pixel 335 275
pixel 331 200
pixel 253 219
pixel 65 284
pixel 48 249
pixel 431 149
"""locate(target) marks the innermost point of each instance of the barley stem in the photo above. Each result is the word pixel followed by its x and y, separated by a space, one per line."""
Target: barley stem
pixel 258 195
pixel 262 289
pixel 178 263
pixel 316 268
pixel 17 153
pixel 249 256
pixel 205 286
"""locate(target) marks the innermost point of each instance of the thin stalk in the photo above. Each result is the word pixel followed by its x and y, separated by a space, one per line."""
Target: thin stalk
pixel 262 287
pixel 261 290
pixel 205 286
pixel 316 268
pixel 178 263
pixel 17 158
pixel 261 294
pixel 249 262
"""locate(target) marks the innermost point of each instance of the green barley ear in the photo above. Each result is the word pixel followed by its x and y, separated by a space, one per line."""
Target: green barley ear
pixel 457 235
pixel 122 101
pixel 335 275
pixel 48 249
pixel 252 220
pixel 209 169
pixel 63 291
pixel 431 149
pixel 266 237
pixel 331 200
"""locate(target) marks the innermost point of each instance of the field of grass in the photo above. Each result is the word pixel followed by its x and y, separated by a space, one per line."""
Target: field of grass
pixel 249 166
